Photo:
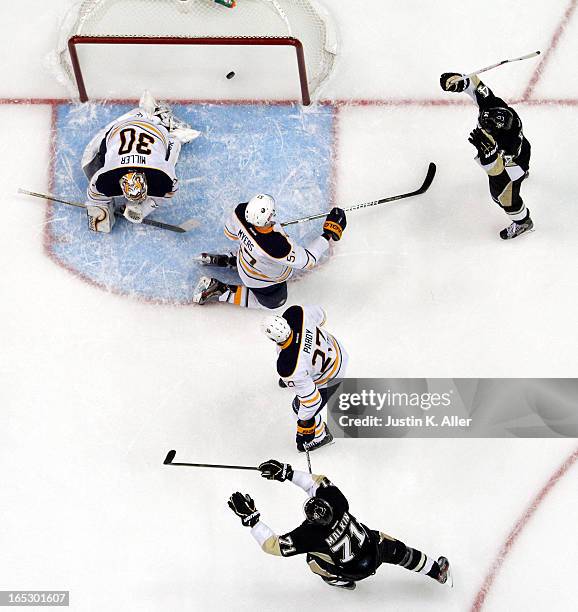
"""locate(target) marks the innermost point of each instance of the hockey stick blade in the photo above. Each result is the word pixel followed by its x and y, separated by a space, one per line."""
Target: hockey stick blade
pixel 429 177
pixel 189 224
pixel 431 172
pixel 170 456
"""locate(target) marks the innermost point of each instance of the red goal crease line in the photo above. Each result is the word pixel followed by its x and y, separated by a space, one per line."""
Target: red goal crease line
pixel 339 103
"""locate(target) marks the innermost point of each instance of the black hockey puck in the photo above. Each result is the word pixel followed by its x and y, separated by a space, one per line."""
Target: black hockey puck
pixel 231 75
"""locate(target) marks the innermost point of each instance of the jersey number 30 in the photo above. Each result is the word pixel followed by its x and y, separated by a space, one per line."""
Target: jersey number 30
pixel 128 138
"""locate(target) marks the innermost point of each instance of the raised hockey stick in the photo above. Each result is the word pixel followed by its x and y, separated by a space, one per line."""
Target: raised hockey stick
pixel 186 226
pixel 431 172
pixel 171 455
pixel 506 61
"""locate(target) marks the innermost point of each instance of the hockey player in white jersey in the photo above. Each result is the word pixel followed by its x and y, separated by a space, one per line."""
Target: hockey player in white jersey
pixel 265 257
pixel 310 363
pixel 134 157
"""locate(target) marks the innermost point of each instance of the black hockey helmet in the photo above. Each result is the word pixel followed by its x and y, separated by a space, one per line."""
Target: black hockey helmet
pixel 318 511
pixel 495 119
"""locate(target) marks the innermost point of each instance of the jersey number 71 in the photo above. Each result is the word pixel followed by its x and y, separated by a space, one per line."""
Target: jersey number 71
pixel 347 544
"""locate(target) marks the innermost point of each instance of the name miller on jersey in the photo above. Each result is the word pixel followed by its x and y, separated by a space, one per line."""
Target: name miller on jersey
pixel 129 160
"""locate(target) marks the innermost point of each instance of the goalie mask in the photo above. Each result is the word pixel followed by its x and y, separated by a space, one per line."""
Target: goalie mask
pixel 134 186
pixel 318 511
pixel 496 119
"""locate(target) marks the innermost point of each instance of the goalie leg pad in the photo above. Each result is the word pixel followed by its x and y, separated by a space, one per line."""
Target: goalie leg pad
pixel 101 218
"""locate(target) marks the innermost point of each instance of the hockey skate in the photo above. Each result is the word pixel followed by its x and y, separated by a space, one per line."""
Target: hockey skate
pixel 314 445
pixel 339 583
pixel 445 575
pixel 216 259
pixel 517 228
pixel 207 289
pixel 177 128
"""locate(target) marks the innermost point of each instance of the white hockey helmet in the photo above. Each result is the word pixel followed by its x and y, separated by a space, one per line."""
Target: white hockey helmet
pixel 276 328
pixel 134 186
pixel 260 210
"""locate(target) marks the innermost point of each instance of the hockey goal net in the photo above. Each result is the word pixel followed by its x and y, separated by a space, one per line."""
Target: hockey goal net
pixel 106 44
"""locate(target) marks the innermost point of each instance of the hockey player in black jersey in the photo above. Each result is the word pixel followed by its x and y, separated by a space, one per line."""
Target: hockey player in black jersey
pixel 339 549
pixel 502 149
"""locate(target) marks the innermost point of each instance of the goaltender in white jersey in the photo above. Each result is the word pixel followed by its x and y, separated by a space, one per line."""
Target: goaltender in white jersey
pixel 310 362
pixel 134 157
pixel 265 258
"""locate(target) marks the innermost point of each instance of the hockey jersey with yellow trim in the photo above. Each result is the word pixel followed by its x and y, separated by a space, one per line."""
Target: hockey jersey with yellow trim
pixel 311 358
pixel 267 256
pixel 135 141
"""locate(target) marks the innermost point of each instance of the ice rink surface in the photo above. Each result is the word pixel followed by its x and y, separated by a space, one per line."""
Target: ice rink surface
pixel 97 385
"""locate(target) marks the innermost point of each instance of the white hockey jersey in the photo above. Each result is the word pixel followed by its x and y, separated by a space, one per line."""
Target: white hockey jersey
pixel 267 256
pixel 134 141
pixel 310 359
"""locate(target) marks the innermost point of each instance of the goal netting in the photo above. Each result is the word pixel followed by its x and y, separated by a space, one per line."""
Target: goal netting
pixel 277 47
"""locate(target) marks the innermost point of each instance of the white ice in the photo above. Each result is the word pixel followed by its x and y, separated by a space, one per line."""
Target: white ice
pixel 96 387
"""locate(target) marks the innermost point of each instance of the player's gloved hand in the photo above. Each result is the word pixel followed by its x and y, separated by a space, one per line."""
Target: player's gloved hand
pixel 449 82
pixel 335 223
pixel 244 507
pixel 275 470
pixel 485 144
pixel 133 213
pixel 305 433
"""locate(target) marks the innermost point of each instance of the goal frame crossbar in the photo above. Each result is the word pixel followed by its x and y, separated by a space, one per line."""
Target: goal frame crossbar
pixel 75 41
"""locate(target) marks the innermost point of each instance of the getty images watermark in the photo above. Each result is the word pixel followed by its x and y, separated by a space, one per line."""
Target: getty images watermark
pixel 383 402
pixel 426 407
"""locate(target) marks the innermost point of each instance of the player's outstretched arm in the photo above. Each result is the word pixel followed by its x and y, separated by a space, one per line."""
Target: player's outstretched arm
pixel 305 258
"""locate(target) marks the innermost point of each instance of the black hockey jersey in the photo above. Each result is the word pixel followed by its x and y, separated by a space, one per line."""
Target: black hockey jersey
pixel 512 142
pixel 347 544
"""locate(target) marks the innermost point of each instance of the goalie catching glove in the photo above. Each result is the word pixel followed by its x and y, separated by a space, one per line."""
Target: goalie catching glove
pixel 485 144
pixel 449 82
pixel 335 223
pixel 275 470
pixel 244 507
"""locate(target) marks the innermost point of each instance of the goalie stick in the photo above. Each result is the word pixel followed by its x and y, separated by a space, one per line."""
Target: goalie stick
pixel 185 226
pixel 431 171
pixel 171 455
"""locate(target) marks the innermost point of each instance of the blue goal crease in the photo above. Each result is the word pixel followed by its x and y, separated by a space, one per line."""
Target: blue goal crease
pixel 283 150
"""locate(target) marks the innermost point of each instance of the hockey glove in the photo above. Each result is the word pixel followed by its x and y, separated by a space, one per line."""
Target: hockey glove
pixel 335 223
pixel 275 470
pixel 244 507
pixel 449 82
pixel 305 433
pixel 486 146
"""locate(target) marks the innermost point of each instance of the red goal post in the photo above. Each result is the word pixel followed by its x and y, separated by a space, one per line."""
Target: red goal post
pixel 301 24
